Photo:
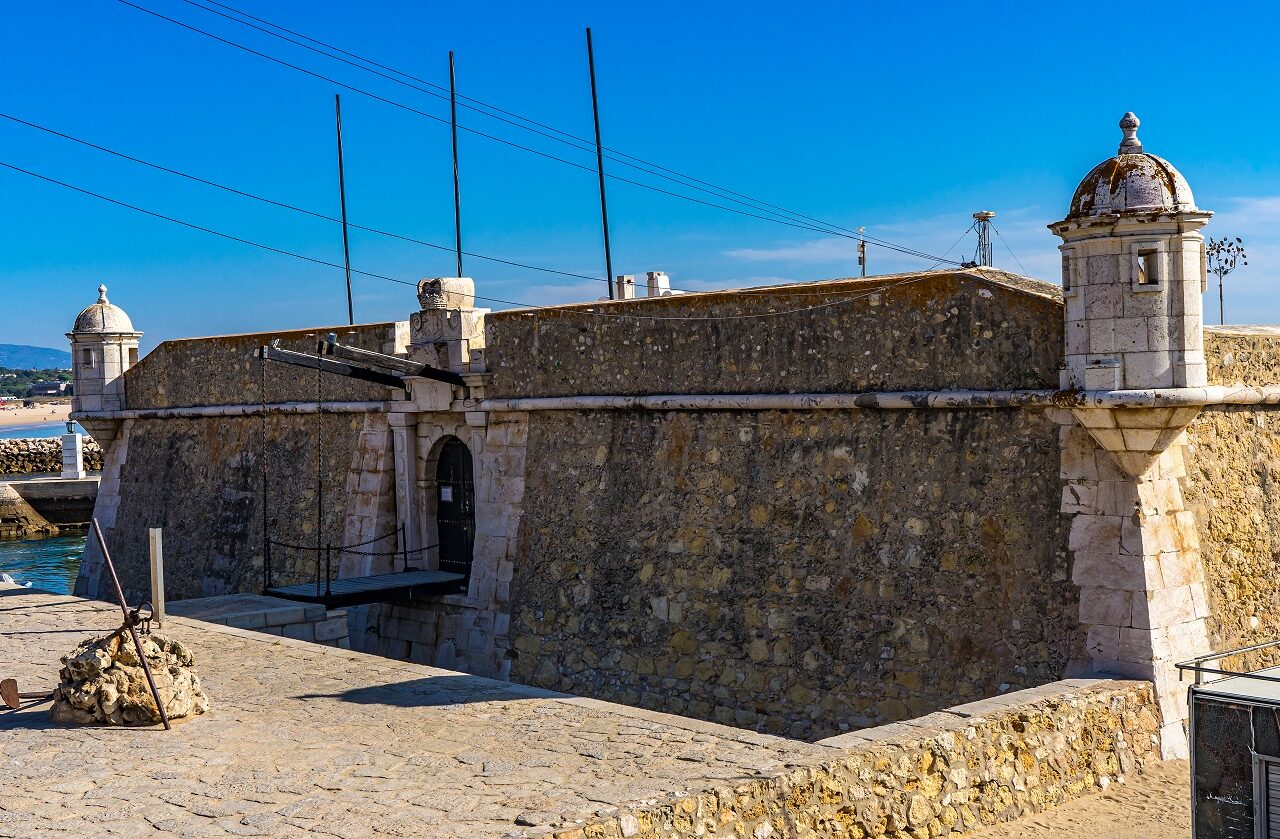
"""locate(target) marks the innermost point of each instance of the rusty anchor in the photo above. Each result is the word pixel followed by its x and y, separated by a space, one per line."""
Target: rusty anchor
pixel 13 697
pixel 132 619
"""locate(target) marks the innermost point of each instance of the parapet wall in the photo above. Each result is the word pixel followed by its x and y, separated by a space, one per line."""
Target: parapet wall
pixel 937 330
pixel 942 775
pixel 208 480
pixel 41 455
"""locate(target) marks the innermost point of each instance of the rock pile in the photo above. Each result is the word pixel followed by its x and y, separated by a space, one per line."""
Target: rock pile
pixel 102 682
pixel 35 455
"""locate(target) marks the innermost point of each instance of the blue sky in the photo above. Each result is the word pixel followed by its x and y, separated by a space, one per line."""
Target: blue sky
pixel 901 118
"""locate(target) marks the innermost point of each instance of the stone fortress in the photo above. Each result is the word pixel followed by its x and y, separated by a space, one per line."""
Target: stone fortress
pixel 805 510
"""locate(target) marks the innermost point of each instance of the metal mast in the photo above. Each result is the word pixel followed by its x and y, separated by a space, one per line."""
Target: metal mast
pixel 982 222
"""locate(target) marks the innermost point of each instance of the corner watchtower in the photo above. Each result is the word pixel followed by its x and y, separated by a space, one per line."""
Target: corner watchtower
pixel 104 345
pixel 1133 270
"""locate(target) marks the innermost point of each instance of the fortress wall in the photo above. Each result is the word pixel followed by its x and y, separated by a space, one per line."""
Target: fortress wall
pixel 200 478
pixel 798 572
pixel 222 370
pixel 933 331
pixel 1233 484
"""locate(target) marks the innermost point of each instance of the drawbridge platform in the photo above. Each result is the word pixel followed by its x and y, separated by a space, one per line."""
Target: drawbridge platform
pixel 379 588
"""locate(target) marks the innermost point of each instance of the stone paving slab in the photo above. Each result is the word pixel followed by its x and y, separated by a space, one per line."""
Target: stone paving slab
pixel 306 740
pixel 232 609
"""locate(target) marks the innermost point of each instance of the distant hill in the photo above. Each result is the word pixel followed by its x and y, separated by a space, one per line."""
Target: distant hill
pixel 22 357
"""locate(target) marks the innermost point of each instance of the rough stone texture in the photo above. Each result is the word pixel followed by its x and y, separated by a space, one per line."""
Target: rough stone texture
pixel 33 456
pixel 304 740
pixel 222 370
pixel 209 471
pixel 1233 465
pixel 942 329
pixel 793 572
pixel 1246 355
pixel 102 682
pixel 465 631
pixel 948 773
pixel 211 467
pixel 18 520
pixel 1233 468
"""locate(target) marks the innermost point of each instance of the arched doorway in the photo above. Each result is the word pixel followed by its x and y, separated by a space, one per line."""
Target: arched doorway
pixel 455 507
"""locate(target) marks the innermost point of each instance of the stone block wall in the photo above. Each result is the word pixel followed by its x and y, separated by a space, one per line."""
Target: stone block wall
pixel 270 616
pixel 801 573
pixel 39 455
pixel 946 774
pixel 469 631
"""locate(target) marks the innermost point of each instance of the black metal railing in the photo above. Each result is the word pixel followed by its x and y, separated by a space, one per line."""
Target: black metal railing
pixel 326 555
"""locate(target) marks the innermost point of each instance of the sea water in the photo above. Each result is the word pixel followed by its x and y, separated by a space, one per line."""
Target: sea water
pixel 50 564
pixel 42 429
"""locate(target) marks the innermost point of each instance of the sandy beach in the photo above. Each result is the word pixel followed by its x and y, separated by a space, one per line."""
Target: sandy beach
pixel 1154 805
pixel 49 412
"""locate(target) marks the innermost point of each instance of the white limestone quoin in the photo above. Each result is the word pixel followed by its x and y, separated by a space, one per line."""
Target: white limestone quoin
pixel 1132 276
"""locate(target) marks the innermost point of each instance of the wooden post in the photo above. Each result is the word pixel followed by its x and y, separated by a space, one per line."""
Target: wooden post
pixel 157 572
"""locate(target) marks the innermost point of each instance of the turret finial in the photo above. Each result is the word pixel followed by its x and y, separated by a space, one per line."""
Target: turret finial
pixel 1129 125
pixel 102 294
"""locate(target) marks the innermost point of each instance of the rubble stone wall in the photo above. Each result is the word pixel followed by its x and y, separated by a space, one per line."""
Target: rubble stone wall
pixel 946 774
pixel 1233 486
pixel 201 480
pixel 979 329
pixel 801 573
pixel 39 455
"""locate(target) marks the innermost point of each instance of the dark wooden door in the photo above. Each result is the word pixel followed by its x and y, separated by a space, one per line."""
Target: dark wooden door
pixel 455 507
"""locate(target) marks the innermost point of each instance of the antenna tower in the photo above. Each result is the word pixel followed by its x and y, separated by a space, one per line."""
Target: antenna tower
pixel 982 222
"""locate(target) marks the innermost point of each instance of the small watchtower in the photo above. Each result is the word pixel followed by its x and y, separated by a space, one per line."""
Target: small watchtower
pixel 1133 270
pixel 104 345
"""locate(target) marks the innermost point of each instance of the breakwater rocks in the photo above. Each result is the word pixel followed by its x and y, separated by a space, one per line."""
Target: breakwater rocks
pixel 18 520
pixel 36 455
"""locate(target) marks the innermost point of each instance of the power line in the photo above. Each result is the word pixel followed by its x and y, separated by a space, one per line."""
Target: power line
pixel 1010 250
pixel 565 136
pixel 284 205
pixel 295 208
pixel 880 242
pixel 944 253
pixel 574 309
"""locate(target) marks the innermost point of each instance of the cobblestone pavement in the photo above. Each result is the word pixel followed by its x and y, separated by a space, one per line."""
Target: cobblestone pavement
pixel 305 740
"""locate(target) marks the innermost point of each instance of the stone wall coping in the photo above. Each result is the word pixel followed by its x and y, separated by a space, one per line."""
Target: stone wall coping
pixel 906 399
pixel 959 717
pixel 1267 396
pixel 242 410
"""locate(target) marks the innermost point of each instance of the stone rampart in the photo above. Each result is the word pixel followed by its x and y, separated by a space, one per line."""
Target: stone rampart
pixel 208 480
pixel 946 774
pixel 977 329
pixel 1233 465
pixel 800 573
pixel 40 455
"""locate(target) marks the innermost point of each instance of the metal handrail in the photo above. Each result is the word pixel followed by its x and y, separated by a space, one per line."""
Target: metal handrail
pixel 328 551
pixel 1196 665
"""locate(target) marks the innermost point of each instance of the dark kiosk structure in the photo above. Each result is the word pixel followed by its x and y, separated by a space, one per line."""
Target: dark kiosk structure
pixel 1235 746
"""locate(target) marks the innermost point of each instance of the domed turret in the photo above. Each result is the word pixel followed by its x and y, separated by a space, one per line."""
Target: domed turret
pixel 103 316
pixel 104 345
pixel 1132 182
pixel 1132 274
